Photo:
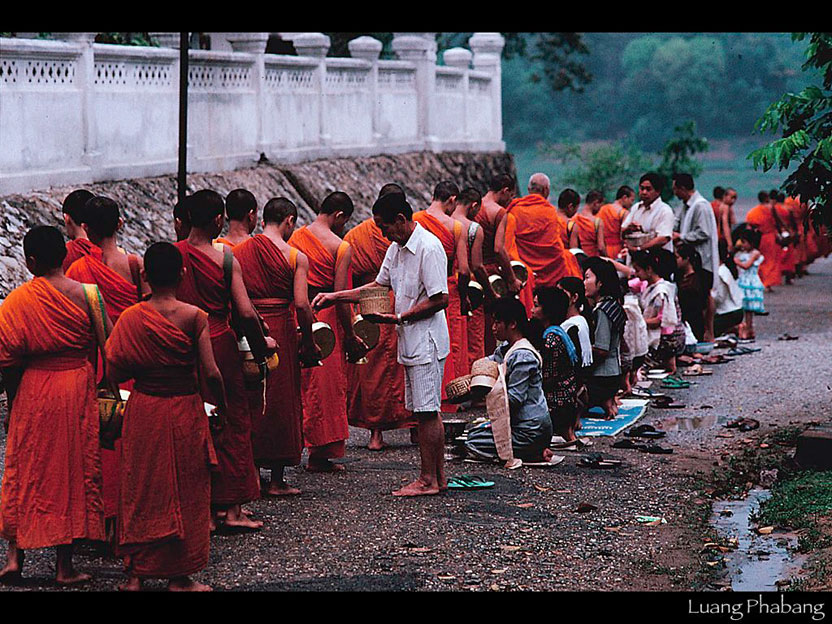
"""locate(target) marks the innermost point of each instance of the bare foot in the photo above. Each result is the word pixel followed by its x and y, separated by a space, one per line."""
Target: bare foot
pixel 11 575
pixel 134 583
pixel 242 523
pixel 281 489
pixel 184 584
pixel 72 577
pixel 417 488
pixel 324 466
pixel 376 441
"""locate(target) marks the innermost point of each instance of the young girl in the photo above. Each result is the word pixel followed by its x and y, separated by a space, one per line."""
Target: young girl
pixel 609 318
pixel 576 324
pixel 560 361
pixel 748 259
pixel 692 296
pixel 531 427
pixel 662 314
pixel 727 294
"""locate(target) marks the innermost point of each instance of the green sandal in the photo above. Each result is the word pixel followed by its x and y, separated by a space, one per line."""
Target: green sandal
pixel 469 482
pixel 675 383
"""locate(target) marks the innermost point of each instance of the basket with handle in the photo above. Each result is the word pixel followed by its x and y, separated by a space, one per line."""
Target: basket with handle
pixel 110 402
pixel 375 300
pixel 458 389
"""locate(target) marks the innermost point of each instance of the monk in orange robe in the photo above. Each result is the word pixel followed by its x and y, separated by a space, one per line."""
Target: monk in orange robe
pixel 215 289
pixel 276 280
pixel 117 275
pixel 78 244
pixel 324 388
pixel 588 226
pixel 165 506
pixel 788 254
pixel 762 218
pixel 375 397
pixel 51 489
pixel 539 237
pixel 493 219
pixel 612 215
pixel 241 212
pixel 437 220
pixel 568 202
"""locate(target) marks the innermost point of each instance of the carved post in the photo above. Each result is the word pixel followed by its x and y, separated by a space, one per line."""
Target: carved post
pixel 420 49
pixel 255 43
pixel 369 49
pixel 487 48
pixel 316 45
pixel 461 58
pixel 85 78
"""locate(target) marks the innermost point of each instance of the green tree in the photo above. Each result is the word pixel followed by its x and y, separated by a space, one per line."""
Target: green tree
pixel 678 155
pixel 805 119
pixel 604 168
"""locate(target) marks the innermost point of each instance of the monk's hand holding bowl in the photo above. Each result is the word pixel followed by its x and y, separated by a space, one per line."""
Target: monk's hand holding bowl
pixel 515 286
pixel 383 319
pixel 356 349
pixel 310 353
pixel 271 344
pixel 216 420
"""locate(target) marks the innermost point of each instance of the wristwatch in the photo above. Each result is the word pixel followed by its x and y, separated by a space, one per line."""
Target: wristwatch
pixel 399 319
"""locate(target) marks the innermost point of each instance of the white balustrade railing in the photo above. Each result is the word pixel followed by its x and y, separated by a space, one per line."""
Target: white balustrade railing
pixel 74 112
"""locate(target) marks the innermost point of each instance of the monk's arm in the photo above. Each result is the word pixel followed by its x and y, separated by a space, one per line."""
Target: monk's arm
pixel 142 282
pixel 503 259
pixel 602 247
pixel 11 380
pixel 208 369
pixel 342 310
pixel 573 238
pixel 249 322
pixel 463 272
pixel 301 298
pixel 478 268
pixel 725 218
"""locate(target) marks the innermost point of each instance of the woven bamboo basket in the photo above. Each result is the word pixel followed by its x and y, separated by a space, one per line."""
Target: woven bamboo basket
pixel 475 294
pixel 324 337
pixel 484 373
pixel 637 239
pixel 367 331
pixel 375 301
pixel 520 271
pixel 458 389
pixel 498 285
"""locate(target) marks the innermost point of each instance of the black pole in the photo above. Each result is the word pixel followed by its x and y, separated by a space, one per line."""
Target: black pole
pixel 183 114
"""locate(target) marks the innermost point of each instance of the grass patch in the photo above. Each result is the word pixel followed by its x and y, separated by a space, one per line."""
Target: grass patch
pixel 799 502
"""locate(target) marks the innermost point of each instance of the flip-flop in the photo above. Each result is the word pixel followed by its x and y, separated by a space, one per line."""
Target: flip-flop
pixel 599 462
pixel 748 424
pixel 788 336
pixel 675 384
pixel 645 431
pixel 669 405
pixel 469 482
pixel 628 444
pixel 655 449
pixel 556 459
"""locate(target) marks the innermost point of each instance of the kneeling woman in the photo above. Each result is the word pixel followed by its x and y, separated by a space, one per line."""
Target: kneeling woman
pixel 531 428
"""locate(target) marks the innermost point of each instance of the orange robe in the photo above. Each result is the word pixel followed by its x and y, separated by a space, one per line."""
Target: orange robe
pixel 612 216
pixel 51 490
pixel 324 388
pixel 539 239
pixel 456 365
pixel 573 267
pixel 587 234
pixel 79 248
pixel 788 255
pixel 236 480
pixel 224 241
pixel 480 337
pixel 761 217
pixel 375 390
pixel 164 512
pixel 118 295
pixel 277 430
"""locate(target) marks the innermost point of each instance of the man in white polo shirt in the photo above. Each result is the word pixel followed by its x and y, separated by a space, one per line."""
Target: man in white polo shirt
pixel 651 214
pixel 415 267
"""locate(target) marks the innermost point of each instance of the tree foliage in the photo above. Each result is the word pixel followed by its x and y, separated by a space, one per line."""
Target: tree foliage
pixel 678 155
pixel 805 120
pixel 604 167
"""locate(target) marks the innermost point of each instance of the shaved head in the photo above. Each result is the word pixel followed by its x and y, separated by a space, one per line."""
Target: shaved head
pixel 539 184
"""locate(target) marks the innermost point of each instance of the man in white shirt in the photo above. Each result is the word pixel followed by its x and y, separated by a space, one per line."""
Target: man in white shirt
pixel 415 267
pixel 697 226
pixel 651 214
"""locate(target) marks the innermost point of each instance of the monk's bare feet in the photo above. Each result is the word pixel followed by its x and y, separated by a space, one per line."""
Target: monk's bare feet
pixel 12 573
pixel 72 577
pixel 376 441
pixel 235 519
pixel 133 584
pixel 324 466
pixel 417 488
pixel 185 584
pixel 280 488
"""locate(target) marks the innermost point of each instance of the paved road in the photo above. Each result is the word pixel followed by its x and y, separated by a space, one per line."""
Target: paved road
pixel 345 532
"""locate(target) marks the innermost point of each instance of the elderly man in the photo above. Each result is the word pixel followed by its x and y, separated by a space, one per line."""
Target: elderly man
pixel 538 233
pixel 415 266
pixel 651 215
pixel 697 226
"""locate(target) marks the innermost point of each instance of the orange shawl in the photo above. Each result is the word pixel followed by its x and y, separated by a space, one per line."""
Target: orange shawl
pixel 117 292
pixel 539 238
pixel 79 248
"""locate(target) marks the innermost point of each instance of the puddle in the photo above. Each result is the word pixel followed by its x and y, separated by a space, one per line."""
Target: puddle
pixel 688 423
pixel 759 560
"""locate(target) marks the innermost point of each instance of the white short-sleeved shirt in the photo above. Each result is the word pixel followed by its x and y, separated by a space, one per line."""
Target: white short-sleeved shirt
pixel 416 272
pixel 658 217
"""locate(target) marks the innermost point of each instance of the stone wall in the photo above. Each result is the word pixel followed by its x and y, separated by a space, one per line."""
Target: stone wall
pixel 147 202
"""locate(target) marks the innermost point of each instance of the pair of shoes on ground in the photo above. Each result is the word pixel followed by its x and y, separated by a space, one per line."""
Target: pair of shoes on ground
pixel 644 447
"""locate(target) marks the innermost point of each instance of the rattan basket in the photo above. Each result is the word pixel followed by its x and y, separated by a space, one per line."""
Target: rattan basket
pixel 375 301
pixel 520 271
pixel 457 389
pixel 484 373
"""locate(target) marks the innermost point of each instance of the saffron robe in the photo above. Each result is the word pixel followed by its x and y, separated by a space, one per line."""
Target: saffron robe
pixel 277 427
pixel 324 388
pixel 457 364
pixel 587 233
pixel 79 248
pixel 573 267
pixel 236 481
pixel 539 239
pixel 788 254
pixel 118 295
pixel 51 489
pixel 612 216
pixel 164 510
pixel 761 217
pixel 375 390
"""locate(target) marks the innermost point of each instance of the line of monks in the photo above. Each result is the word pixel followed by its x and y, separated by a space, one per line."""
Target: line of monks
pixel 176 319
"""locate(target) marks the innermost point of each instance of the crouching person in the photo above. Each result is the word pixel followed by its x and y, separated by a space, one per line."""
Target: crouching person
pixel 531 427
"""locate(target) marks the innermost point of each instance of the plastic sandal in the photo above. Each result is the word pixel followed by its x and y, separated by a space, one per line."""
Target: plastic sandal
pixel 655 449
pixel 629 444
pixel 469 482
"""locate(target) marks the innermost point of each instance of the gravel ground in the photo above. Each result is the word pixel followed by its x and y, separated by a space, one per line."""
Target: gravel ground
pixel 346 532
